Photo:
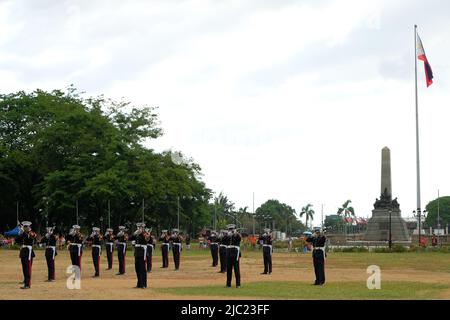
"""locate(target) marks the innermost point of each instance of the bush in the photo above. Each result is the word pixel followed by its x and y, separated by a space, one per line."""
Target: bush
pixel 351 249
pixel 399 248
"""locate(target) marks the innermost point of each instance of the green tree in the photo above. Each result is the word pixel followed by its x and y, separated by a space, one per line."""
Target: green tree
pixel 308 212
pixel 57 148
pixel 444 212
pixel 346 210
pixel 282 214
pixel 221 210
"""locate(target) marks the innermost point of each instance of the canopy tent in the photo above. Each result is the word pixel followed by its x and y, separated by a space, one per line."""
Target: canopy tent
pixel 13 233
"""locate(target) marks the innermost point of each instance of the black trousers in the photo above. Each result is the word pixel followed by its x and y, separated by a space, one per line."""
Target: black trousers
pixel 50 263
pixel 233 263
pixel 165 256
pixel 121 253
pixel 149 258
pixel 26 269
pixel 223 259
pixel 267 256
pixel 215 254
pixel 76 260
pixel 319 266
pixel 141 273
pixel 176 256
pixel 109 254
pixel 96 260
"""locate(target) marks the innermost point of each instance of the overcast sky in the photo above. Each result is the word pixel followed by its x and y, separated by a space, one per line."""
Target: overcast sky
pixel 292 100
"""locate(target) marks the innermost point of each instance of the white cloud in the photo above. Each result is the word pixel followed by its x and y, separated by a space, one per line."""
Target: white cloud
pixel 292 100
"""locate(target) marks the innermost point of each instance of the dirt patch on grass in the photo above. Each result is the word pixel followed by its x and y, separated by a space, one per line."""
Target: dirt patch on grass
pixel 195 271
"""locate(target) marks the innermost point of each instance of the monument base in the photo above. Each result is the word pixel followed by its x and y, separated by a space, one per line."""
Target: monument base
pixel 378 226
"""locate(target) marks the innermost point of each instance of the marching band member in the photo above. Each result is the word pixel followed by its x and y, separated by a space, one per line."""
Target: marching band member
pixel 96 239
pixel 214 247
pixel 75 245
pixel 165 243
pixel 50 240
pixel 266 241
pixel 176 247
pixel 140 255
pixel 122 238
pixel 151 242
pixel 233 242
pixel 223 250
pixel 26 238
pixel 109 246
pixel 318 241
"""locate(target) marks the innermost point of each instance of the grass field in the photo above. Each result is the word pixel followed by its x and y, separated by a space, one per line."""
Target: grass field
pixel 403 276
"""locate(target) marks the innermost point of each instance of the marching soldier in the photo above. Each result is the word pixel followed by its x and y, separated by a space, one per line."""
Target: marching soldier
pixel 223 250
pixel 233 242
pixel 121 238
pixel 140 255
pixel 214 247
pixel 151 242
pixel 96 239
pixel 26 238
pixel 50 240
pixel 176 248
pixel 266 240
pixel 165 243
pixel 75 245
pixel 109 246
pixel 318 242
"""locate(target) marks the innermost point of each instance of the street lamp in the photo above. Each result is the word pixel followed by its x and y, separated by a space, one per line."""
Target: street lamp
pixel 101 224
pixel 419 215
pixel 45 199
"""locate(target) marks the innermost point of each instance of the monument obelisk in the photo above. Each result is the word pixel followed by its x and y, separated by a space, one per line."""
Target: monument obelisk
pixel 379 225
pixel 386 171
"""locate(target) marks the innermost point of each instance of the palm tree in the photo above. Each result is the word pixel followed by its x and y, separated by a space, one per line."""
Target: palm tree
pixel 347 211
pixel 308 212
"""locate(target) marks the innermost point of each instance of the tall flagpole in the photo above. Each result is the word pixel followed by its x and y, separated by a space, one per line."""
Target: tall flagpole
pixel 253 210
pixel 419 213
pixel 76 204
pixel 109 214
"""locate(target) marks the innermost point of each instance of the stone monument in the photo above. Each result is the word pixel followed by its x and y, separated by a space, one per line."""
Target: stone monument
pixel 378 225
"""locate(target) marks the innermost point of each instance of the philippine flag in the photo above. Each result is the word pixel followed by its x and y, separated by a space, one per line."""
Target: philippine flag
pixel 421 56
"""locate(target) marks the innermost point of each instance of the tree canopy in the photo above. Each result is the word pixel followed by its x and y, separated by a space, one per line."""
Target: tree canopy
pixel 282 214
pixel 444 212
pixel 57 148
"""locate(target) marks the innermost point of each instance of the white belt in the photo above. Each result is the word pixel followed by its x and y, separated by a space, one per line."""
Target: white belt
pixel 99 248
pixel 223 246
pixel 320 248
pixel 270 246
pixel 124 246
pixel 142 246
pixel 238 249
pixel 214 243
pixel 54 250
pixel 79 247
pixel 30 249
pixel 177 244
pixel 165 244
pixel 111 246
